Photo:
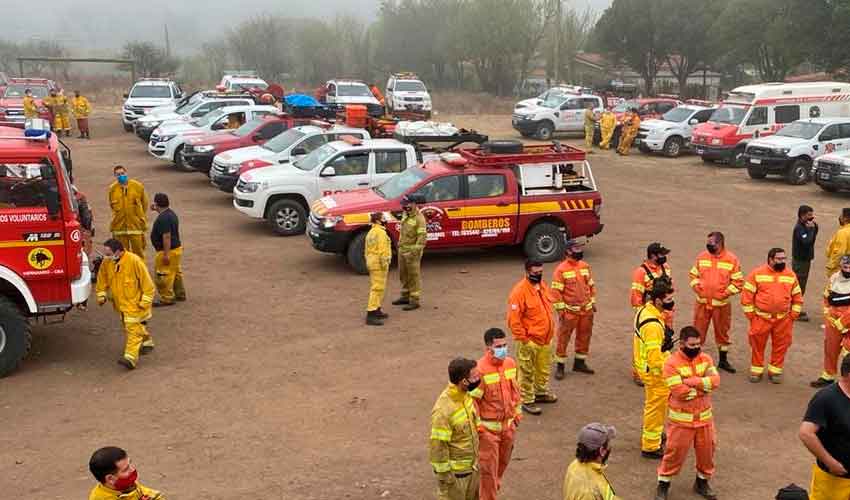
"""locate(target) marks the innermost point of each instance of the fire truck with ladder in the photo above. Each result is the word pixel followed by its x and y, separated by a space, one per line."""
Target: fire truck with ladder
pixel 44 269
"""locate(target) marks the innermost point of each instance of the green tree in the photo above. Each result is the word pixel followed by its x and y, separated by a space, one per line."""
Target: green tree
pixel 688 37
pixel 263 44
pixel 828 23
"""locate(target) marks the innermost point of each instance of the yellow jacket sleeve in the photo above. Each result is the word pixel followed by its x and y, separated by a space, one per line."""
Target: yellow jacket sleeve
pixel 421 232
pixel 145 284
pixel 654 357
pixel 103 278
pixel 837 247
pixel 441 435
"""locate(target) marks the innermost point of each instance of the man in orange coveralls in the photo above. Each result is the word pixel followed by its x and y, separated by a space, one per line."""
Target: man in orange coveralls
pixel 574 300
pixel 691 377
pixel 836 341
pixel 772 300
pixel 643 277
pixel 497 400
pixel 715 277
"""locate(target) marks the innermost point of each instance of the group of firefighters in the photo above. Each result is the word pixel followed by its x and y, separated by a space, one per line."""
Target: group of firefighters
pixel 607 121
pixel 60 110
pixel 474 421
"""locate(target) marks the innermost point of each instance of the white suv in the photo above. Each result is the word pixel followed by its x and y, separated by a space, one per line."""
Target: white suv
pixel 146 94
pixel 338 93
pixel 672 133
pixel 282 194
pixel 406 92
pixel 558 113
pixel 242 80
pixel 194 108
pixel 791 151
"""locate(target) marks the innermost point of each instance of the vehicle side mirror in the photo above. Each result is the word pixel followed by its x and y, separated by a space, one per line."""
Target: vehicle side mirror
pixel 328 172
pixel 258 137
pixel 52 200
pixel 299 152
pixel 538 101
pixel 693 121
pixel 126 95
pixel 565 106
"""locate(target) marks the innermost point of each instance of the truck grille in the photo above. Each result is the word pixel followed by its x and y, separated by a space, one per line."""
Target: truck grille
pixel 414 99
pixel 315 219
pixel 14 112
pixel 759 151
pixel 188 148
pixel 833 168
pixel 139 110
pixel 218 168
pixel 240 184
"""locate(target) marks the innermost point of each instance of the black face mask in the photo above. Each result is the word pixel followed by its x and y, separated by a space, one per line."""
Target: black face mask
pixel 606 457
pixel 473 385
pixel 691 352
pixel 845 274
pixel 577 255
pixel 661 260
pixel 535 278
pixel 779 267
pixel 711 248
pixel 668 306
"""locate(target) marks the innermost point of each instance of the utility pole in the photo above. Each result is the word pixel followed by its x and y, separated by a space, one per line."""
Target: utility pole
pixel 558 26
pixel 167 43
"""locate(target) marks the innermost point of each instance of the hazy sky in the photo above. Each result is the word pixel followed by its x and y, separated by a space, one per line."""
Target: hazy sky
pixel 97 27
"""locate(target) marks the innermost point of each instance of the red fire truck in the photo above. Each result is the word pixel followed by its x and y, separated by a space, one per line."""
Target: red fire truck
pixel 499 194
pixel 43 268
pixel 12 99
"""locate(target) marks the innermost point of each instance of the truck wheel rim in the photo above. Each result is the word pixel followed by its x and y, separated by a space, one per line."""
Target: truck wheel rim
pixel 287 218
pixel 546 244
pixel 2 339
pixel 674 148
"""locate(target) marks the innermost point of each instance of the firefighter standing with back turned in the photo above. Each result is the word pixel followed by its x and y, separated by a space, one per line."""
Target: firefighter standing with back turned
pixel 413 234
pixel 655 267
pixel 652 339
pixel 772 301
pixel 574 301
pixel 630 127
pixel 836 334
pixel 839 244
pixel 129 203
pixel 378 253
pixel 498 402
pixel 691 377
pixel 715 278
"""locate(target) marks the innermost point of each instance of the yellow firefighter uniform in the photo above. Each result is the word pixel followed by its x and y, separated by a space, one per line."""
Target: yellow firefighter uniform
pixel 132 292
pixel 81 107
pixel 454 445
pixel 587 481
pixel 649 336
pixel 30 108
pixel 61 112
pixel 411 244
pixel 169 277
pixel 607 123
pixel 838 246
pixel 378 256
pixel 103 492
pixel 129 219
pixel 589 128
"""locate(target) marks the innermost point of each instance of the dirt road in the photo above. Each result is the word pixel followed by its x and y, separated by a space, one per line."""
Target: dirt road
pixel 266 384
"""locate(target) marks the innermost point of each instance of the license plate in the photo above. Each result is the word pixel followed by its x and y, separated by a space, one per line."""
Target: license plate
pixel 700 151
pixel 824 175
pixel 755 161
pixel 637 142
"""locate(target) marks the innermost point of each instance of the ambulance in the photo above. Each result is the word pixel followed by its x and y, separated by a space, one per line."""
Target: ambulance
pixel 760 110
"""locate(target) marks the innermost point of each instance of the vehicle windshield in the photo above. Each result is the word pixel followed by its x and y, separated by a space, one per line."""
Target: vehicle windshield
pixel 248 127
pixel 677 115
pixel 249 85
pixel 151 91
pixel 553 100
pixel 283 141
pixel 188 102
pixel 316 158
pixel 398 184
pixel 800 130
pixel 733 115
pixel 409 86
pixel 353 91
pixel 625 106
pixel 17 90
pixel 208 118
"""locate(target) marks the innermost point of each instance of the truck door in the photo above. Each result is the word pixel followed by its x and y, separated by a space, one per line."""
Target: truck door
pixel 443 209
pixel 843 142
pixel 345 172
pixel 756 121
pixel 830 140
pixel 490 214
pixel 387 164
pixel 572 116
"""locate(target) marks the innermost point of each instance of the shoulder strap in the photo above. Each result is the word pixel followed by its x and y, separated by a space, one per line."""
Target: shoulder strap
pixel 648 272
pixel 640 324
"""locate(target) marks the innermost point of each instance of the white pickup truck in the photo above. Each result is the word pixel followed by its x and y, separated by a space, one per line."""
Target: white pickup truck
pixel 671 134
pixel 558 113
pixel 282 194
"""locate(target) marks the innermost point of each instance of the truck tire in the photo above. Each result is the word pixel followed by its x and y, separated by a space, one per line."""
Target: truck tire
pixel 545 242
pixel 127 128
pixel 829 189
pixel 502 147
pixel 178 160
pixel 15 337
pixel 545 131
pixel 673 147
pixel 706 160
pixel 355 254
pixel 756 172
pixel 798 173
pixel 287 217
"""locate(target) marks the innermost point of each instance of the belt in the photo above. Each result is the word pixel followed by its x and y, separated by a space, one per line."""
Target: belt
pixel 462 474
pixel 767 315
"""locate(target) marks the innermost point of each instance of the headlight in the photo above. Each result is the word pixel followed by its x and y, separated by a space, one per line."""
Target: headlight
pixel 232 169
pixel 784 151
pixel 166 138
pixel 204 149
pixel 330 221
pixel 253 187
pixel 152 124
pixel 715 142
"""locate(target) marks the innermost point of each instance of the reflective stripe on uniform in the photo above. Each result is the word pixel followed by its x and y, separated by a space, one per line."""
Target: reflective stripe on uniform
pixel 774 369
pixel 726 266
pixel 677 416
pixel 510 373
pixel 748 309
pixel 127 231
pixel 557 285
pixel 441 467
pixel 691 395
pixel 559 306
pixel 674 380
pixel 458 417
pixel 737 276
pixel 685 371
pixel 461 465
pixel 756 370
pixel 764 278
pixel 491 378
pixel 694 282
pixel 701 368
pixel 796 290
pixel 796 308
pixel 637 286
pixel 750 287
pixel 704 263
pixel 706 384
pixel 476 393
pixel 719 303
pixel 787 279
pixel 441 434
pixel 568 275
pixel 492 425
pixel 732 289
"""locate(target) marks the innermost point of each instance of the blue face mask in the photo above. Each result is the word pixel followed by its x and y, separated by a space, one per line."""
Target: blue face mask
pixel 500 352
pixel 122 178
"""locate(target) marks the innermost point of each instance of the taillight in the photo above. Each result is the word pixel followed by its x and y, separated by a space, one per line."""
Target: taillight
pixel 597 208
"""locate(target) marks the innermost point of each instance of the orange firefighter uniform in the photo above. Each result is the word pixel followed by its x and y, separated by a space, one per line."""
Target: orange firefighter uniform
pixel 649 337
pixel 129 218
pixel 772 301
pixel 715 279
pixel 377 93
pixel 836 337
pixel 82 109
pixel 643 278
pixel 378 253
pixel 838 246
pixel 530 320
pixel 607 123
pixel 454 445
pixel 103 492
pixel 690 421
pixel 573 299
pixel 30 108
pixel 629 130
pixel 131 288
pixel 497 400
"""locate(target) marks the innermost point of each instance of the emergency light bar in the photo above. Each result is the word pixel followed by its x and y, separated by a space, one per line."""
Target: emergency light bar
pixel 37 129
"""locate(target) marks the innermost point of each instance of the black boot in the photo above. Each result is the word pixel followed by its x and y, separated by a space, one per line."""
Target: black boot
pixel 559 371
pixel 580 365
pixel 401 301
pixel 663 489
pixel 703 489
pixel 724 363
pixel 373 320
pixel 411 305
pixel 381 314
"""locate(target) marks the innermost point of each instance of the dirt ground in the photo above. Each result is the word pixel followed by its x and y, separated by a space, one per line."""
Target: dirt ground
pixel 266 383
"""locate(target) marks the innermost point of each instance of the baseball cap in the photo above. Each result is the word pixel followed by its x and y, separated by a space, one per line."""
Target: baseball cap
pixel 595 435
pixel 845 259
pixel 792 492
pixel 656 248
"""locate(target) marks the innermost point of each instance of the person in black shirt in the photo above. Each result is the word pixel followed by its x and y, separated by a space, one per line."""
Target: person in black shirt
pixel 165 236
pixel 803 247
pixel 826 433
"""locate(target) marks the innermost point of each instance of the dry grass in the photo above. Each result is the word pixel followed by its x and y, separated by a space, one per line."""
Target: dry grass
pixel 471 103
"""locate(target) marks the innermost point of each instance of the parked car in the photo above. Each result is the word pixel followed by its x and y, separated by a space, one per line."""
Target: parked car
pixel 338 93
pixel 406 92
pixel 832 171
pixel 671 134
pixel 146 94
pixel 191 110
pixel 242 80
pixel 559 90
pixel 559 113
